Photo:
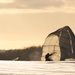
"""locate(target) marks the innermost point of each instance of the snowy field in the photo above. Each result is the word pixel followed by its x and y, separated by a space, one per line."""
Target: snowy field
pixel 36 68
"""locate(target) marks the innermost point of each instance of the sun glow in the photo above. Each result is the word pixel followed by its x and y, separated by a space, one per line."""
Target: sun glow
pixel 6 1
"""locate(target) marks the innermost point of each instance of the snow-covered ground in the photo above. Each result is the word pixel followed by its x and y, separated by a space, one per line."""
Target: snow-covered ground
pixel 36 68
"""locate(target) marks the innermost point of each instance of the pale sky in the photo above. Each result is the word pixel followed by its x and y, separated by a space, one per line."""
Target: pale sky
pixel 25 23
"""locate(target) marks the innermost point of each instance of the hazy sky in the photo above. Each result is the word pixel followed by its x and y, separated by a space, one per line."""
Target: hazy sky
pixel 26 23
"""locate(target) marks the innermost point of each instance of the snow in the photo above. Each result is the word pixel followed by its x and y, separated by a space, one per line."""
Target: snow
pixel 36 68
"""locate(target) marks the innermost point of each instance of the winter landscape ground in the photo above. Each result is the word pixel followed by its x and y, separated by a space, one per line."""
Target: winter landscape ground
pixel 36 68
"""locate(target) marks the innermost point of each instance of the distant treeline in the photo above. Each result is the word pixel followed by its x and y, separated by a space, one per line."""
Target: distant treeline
pixel 27 54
